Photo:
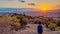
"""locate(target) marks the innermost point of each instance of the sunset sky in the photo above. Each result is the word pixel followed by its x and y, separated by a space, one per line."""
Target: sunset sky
pixel 39 4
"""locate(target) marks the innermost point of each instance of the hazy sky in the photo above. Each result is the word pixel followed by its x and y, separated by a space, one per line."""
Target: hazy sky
pixel 51 4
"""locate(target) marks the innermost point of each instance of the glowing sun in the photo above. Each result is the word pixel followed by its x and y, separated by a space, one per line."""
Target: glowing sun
pixel 44 8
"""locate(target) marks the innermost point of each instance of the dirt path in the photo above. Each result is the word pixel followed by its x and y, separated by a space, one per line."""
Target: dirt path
pixel 31 30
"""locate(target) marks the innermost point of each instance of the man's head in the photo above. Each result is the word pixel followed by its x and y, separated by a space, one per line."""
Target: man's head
pixel 39 22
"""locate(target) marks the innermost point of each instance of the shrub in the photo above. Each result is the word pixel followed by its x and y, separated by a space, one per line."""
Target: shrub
pixel 57 28
pixel 52 26
pixel 58 23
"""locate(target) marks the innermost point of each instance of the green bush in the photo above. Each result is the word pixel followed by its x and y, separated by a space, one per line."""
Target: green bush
pixel 57 28
pixel 52 26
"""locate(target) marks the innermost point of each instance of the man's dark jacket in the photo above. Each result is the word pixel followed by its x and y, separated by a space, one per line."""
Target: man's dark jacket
pixel 40 29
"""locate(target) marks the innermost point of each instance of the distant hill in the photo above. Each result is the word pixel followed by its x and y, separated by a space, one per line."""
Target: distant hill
pixel 17 9
pixel 29 11
pixel 53 13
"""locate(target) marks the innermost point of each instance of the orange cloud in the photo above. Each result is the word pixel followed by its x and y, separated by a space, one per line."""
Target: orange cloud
pixel 58 6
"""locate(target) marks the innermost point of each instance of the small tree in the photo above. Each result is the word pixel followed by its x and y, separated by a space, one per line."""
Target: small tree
pixel 58 23
pixel 23 21
pixel 52 26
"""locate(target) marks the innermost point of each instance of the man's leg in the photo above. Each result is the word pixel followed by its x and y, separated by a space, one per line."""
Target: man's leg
pixel 39 33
